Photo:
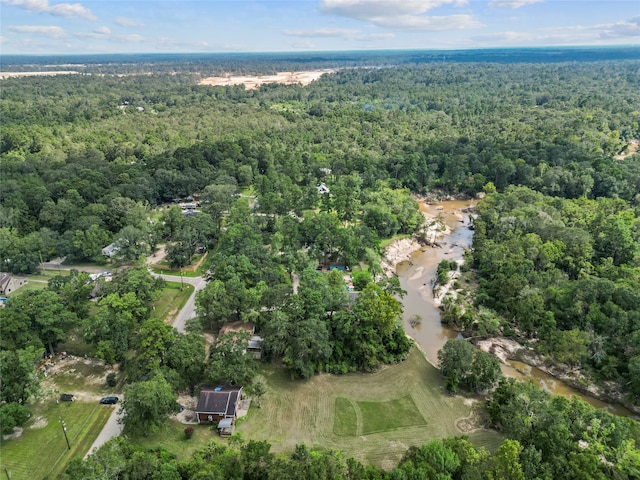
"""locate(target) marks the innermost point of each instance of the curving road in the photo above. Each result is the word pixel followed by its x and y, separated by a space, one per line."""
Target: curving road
pixel 113 428
pixel 189 309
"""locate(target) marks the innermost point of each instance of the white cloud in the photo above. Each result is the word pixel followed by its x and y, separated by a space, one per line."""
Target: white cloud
pixel 304 45
pixel 126 22
pixel 48 31
pixel 573 35
pixel 132 38
pixel 511 3
pixel 344 33
pixel 102 31
pixel 68 10
pixel 400 15
pixel 428 24
pixel 367 9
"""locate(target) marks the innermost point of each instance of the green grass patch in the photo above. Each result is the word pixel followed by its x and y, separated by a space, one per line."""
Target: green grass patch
pixel 171 300
pixel 345 421
pixel 248 191
pixel 175 272
pixel 41 450
pixel 171 437
pixel 384 243
pixel 30 285
pixel 390 415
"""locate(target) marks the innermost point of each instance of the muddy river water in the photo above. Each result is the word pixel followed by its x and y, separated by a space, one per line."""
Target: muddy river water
pixel 416 276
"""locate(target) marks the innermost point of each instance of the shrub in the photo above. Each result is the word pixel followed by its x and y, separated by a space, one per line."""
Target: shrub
pixel 112 379
pixel 13 415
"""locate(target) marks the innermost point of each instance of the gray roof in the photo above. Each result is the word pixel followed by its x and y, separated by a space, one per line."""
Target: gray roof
pixel 255 342
pixel 218 402
pixel 110 250
pixel 225 423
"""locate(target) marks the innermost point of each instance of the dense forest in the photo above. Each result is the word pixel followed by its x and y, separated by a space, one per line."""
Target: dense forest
pixel 97 159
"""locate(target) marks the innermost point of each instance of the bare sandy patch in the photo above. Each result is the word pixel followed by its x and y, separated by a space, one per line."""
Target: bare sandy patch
pixel 4 75
pixel 631 149
pixel 251 82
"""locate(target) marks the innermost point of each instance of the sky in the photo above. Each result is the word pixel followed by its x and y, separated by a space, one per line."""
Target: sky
pixel 153 26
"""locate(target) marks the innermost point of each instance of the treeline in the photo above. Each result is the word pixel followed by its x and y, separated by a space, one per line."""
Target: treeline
pixel 566 273
pixel 548 437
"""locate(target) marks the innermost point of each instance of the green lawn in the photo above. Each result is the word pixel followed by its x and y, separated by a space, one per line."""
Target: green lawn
pixel 399 406
pixel 389 415
pixel 345 421
pixel 171 437
pixel 171 300
pixel 41 450
pixel 30 285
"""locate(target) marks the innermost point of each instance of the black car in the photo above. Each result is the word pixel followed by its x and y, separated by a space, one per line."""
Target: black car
pixel 109 400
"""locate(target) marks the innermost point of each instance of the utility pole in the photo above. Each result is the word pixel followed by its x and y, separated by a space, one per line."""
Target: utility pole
pixel 64 430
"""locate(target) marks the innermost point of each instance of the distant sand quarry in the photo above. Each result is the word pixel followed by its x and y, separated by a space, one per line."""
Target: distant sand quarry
pixel 253 82
pixel 36 74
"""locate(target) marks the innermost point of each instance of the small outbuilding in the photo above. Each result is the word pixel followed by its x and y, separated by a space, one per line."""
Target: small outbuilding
pixel 254 345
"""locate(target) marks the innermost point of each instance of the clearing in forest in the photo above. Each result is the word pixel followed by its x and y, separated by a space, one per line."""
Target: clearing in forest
pixel 372 417
pixel 251 82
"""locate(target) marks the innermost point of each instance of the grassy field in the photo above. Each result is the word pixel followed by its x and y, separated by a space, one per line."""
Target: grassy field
pixel 171 300
pixel 399 406
pixel 372 417
pixel 41 450
pixel 171 437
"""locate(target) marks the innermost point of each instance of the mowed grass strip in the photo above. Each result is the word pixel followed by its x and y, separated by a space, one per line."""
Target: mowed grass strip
pixel 345 421
pixel 171 300
pixel 41 451
pixel 390 415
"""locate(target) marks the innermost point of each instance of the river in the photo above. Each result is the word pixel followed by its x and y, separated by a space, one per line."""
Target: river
pixel 416 276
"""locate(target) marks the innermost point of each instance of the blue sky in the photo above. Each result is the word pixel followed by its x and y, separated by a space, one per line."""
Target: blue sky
pixel 124 26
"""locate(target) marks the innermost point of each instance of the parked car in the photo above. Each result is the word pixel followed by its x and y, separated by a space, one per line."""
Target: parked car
pixel 67 397
pixel 109 400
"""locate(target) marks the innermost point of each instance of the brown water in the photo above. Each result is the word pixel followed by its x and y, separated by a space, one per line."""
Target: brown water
pixel 416 276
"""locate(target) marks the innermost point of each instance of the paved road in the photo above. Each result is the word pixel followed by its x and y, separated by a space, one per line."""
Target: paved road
pixel 111 429
pixel 56 264
pixel 189 309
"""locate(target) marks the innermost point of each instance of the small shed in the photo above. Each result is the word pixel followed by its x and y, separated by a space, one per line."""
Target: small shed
pixel 254 345
pixel 216 404
pixel 322 189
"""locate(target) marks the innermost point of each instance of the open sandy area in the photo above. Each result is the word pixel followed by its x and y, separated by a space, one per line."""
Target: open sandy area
pixel 252 82
pixel 36 74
